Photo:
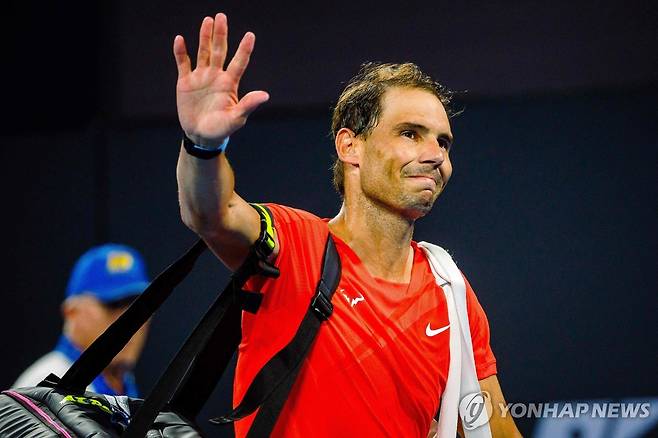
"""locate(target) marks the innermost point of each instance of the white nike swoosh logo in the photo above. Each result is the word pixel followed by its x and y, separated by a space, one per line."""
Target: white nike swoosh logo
pixel 429 332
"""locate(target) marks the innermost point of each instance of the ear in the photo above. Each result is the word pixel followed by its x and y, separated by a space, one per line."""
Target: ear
pixel 79 305
pixel 69 307
pixel 346 146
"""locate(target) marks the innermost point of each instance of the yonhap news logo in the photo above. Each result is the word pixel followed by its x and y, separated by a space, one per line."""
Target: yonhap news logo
pixel 475 410
pixel 576 410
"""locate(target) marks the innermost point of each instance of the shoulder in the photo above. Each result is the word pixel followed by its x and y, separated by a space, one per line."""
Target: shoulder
pixel 53 362
pixel 471 298
pixel 485 361
pixel 295 228
pixel 300 237
pixel 283 214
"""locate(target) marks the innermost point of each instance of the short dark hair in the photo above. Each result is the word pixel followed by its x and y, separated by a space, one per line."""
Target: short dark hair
pixel 359 105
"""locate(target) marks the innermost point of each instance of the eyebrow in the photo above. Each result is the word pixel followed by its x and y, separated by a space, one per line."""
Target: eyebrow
pixel 422 128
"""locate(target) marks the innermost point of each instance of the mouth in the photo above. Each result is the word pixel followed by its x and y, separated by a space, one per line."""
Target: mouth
pixel 429 182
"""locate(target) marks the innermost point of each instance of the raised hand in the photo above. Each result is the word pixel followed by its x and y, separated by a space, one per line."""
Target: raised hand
pixel 209 109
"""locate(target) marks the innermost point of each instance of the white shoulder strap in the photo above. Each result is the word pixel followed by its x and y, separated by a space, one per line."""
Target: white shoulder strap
pixel 462 377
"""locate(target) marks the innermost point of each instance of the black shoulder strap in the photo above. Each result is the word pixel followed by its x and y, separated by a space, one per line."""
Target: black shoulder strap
pixel 270 388
pixel 219 328
pixel 210 364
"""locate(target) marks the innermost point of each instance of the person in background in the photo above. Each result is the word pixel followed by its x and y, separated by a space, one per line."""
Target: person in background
pixel 103 283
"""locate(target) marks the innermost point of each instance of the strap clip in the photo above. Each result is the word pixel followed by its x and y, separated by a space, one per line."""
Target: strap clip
pixel 321 305
pixel 250 301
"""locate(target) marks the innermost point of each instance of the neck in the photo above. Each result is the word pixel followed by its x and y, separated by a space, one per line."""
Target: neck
pixel 380 237
pixel 114 377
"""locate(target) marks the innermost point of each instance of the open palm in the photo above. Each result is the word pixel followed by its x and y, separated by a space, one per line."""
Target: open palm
pixel 209 108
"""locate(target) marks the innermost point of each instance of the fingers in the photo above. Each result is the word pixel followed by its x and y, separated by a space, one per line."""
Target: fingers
pixel 251 101
pixel 182 59
pixel 240 60
pixel 213 36
pixel 205 37
pixel 219 44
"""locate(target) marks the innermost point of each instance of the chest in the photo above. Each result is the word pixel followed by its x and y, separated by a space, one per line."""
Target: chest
pixel 383 354
pixel 394 338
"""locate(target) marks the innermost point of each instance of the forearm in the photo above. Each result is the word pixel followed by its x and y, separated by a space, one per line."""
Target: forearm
pixel 205 190
pixel 501 426
pixel 209 111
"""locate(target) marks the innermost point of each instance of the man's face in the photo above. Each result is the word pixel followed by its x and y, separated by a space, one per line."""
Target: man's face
pixel 86 319
pixel 404 163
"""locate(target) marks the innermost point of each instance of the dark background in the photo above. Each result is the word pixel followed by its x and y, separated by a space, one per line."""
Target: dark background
pixel 551 211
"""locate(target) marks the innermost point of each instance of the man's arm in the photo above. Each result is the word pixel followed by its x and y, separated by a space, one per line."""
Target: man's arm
pixel 500 426
pixel 209 112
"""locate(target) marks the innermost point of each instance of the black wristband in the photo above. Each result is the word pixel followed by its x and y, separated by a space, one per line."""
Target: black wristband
pixel 199 152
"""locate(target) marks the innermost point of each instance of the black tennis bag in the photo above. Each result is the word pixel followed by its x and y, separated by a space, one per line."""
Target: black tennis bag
pixel 62 408
pixel 48 412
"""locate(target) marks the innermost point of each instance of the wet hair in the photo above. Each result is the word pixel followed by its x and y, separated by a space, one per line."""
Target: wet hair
pixel 359 106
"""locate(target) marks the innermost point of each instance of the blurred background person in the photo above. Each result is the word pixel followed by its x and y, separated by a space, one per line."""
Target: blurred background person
pixel 104 282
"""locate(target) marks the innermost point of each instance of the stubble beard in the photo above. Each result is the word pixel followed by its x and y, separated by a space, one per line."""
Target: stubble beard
pixel 410 204
pixel 417 204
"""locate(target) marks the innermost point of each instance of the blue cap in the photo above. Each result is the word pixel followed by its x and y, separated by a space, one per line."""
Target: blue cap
pixel 110 272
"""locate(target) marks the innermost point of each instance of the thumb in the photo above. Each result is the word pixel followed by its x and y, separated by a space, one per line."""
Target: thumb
pixel 251 101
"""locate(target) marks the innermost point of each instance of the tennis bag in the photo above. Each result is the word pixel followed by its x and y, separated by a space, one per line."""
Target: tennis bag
pixel 60 407
pixel 48 412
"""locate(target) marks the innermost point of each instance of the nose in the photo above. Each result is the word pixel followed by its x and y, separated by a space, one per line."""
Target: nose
pixel 433 153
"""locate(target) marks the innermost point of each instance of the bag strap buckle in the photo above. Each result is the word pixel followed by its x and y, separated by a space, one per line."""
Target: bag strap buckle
pixel 321 304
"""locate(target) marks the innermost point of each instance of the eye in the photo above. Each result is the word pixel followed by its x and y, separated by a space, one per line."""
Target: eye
pixel 444 143
pixel 409 134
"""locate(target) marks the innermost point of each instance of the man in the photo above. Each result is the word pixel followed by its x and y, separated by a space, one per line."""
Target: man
pixel 104 281
pixel 380 364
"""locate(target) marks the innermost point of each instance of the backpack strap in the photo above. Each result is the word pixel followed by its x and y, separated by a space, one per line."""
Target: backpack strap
pixel 270 388
pixel 193 373
pixel 211 363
